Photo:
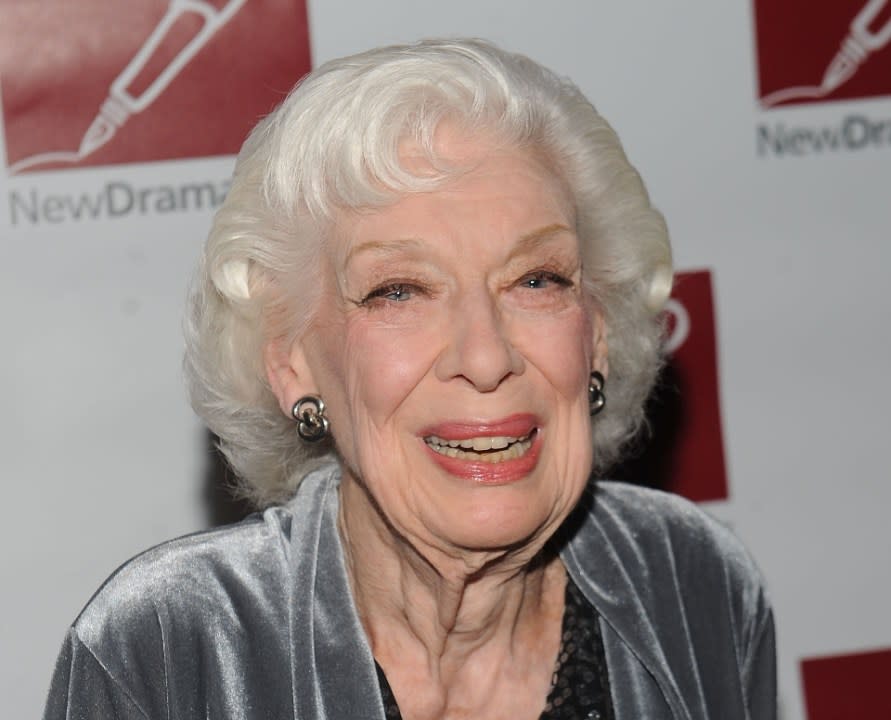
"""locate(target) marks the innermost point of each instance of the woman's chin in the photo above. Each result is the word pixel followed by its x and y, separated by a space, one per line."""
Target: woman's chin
pixel 493 529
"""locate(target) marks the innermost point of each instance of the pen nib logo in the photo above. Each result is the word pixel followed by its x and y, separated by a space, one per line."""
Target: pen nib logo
pixel 96 83
pixel 814 52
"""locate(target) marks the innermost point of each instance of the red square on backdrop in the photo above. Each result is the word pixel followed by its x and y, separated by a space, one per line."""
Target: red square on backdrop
pixel 684 452
pixel 96 83
pixel 798 40
pixel 848 687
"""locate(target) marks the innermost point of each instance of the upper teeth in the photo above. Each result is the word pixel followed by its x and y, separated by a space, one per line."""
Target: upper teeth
pixel 482 449
pixel 478 443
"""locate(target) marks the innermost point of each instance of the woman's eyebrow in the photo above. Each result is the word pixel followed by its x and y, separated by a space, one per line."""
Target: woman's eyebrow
pixel 536 238
pixel 527 242
pixel 382 247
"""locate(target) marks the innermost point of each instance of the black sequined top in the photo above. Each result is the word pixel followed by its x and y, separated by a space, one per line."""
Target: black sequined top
pixel 580 687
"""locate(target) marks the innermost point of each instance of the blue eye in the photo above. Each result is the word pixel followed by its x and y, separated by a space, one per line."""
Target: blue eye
pixel 394 292
pixel 544 279
pixel 398 293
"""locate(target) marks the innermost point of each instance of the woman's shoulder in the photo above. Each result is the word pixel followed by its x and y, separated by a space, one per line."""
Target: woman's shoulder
pixel 658 519
pixel 154 624
pixel 196 620
pixel 211 571
pixel 653 563
pixel 653 537
pixel 195 575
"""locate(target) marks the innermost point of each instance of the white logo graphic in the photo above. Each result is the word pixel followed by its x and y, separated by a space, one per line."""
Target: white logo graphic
pixel 681 330
pixel 120 103
pixel 857 45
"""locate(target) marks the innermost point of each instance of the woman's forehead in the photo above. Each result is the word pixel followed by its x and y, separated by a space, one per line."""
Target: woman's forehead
pixel 452 145
pixel 506 194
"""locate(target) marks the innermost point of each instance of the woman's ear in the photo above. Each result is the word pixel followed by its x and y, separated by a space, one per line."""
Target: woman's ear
pixel 288 372
pixel 600 357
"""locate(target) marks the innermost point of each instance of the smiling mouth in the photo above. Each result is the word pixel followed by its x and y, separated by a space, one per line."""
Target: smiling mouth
pixel 483 449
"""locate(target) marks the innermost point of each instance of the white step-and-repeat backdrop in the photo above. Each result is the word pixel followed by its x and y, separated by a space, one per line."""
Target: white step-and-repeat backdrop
pixel 763 128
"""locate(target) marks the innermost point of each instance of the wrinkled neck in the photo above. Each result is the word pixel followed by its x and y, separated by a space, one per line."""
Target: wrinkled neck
pixel 443 605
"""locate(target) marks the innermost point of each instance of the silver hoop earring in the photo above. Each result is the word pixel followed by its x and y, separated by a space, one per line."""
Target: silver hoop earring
pixel 596 398
pixel 309 412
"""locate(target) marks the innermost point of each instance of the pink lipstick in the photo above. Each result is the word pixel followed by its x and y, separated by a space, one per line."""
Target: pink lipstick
pixel 486 452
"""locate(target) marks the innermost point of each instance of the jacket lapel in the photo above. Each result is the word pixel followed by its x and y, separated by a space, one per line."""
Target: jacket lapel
pixel 340 681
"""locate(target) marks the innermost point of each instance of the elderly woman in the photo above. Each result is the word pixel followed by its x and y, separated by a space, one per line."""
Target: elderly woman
pixel 433 266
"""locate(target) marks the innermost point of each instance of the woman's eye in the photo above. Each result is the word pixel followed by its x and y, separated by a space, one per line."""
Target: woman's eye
pixel 544 279
pixel 394 292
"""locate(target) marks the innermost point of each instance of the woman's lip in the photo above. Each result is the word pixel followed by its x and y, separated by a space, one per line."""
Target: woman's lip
pixel 486 473
pixel 518 425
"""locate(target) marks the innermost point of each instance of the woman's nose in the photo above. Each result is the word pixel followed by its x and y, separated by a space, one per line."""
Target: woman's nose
pixel 479 348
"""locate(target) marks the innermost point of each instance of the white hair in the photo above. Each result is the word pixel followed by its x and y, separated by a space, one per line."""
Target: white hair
pixel 334 144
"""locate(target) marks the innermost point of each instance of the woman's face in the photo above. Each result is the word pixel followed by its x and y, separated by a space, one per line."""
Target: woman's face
pixel 453 349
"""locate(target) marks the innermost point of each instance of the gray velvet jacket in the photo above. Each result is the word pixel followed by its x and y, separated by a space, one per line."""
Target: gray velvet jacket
pixel 256 620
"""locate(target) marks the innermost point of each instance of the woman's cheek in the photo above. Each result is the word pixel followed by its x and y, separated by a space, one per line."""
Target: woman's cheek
pixel 387 361
pixel 560 346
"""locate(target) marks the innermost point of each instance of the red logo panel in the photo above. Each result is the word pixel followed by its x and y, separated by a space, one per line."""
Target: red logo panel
pixel 685 451
pixel 848 687
pixel 95 83
pixel 815 51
